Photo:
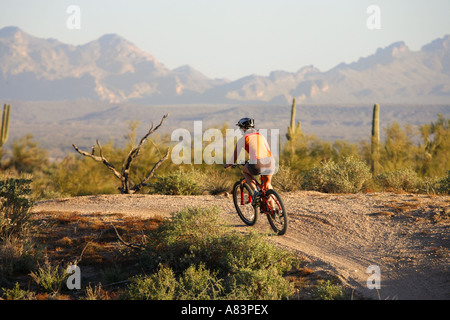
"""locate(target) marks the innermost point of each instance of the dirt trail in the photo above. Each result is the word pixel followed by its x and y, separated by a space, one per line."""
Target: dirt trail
pixel 407 236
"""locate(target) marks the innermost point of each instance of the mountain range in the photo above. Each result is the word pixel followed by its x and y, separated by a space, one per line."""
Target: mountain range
pixel 112 69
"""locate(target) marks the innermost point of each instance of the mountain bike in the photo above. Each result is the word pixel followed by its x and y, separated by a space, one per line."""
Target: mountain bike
pixel 270 204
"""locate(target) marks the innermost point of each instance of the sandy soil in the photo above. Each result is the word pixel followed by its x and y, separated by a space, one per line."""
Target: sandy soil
pixel 406 235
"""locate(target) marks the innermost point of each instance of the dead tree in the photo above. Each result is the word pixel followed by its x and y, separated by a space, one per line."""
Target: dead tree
pixel 124 174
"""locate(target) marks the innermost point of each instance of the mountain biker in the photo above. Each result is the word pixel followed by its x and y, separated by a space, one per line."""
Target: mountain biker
pixel 261 162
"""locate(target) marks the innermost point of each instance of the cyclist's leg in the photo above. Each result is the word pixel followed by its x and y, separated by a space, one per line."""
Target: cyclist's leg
pixel 267 182
pixel 249 172
pixel 249 177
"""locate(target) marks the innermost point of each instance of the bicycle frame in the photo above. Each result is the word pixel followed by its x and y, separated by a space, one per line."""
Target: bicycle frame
pixel 263 194
pixel 269 203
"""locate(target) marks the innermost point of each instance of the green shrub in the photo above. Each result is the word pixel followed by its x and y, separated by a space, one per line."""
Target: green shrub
pixel 250 251
pixel 216 182
pixel 258 284
pixel 16 293
pixel 286 179
pixel 17 256
pixel 179 182
pixel 179 241
pixel 329 291
pixel 207 254
pixel 81 176
pixel 158 286
pixel 400 180
pixel 15 208
pixel 198 235
pixel 444 184
pixel 350 175
pixel 49 278
pixel 199 284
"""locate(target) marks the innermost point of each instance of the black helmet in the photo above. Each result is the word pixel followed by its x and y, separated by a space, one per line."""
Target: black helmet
pixel 246 123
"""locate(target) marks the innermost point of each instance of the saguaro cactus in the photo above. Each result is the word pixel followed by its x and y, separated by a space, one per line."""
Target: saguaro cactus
pixel 375 149
pixel 4 133
pixel 294 130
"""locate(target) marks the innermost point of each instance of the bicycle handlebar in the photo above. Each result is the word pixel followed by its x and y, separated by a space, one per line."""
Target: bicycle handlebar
pixel 234 165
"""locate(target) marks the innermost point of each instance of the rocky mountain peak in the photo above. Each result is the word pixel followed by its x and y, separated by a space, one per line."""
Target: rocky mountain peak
pixel 10 32
pixel 394 50
pixel 441 44
pixel 111 68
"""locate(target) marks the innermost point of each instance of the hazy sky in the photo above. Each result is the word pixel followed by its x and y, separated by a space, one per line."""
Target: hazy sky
pixel 234 38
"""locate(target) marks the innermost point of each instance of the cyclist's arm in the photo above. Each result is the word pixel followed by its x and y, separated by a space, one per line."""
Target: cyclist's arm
pixel 239 146
pixel 230 163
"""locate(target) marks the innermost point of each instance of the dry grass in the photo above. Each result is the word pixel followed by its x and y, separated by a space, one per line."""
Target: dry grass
pixel 437 212
pixel 91 241
pixel 106 264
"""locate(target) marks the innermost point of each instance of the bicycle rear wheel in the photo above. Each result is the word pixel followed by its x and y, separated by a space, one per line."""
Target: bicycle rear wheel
pixel 242 198
pixel 276 213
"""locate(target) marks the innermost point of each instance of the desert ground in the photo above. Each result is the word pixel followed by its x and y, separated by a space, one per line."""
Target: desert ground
pixel 406 235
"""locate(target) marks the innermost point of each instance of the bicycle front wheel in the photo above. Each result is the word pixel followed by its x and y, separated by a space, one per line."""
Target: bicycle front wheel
pixel 276 213
pixel 242 198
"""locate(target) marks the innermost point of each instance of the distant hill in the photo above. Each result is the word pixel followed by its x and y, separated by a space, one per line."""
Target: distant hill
pixel 112 69
pixel 58 124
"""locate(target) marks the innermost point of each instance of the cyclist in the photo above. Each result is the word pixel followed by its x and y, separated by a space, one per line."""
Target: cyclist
pixel 261 162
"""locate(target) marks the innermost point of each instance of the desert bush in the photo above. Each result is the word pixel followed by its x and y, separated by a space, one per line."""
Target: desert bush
pixel 158 286
pixel 15 208
pixel 444 184
pixel 16 293
pixel 434 158
pixel 198 283
pixel 197 240
pixel 216 182
pixel 286 179
pixel 258 284
pixel 78 177
pixel 399 180
pixel 95 293
pixel 175 240
pixel 350 175
pixel 429 185
pixel 49 278
pixel 27 156
pixel 328 290
pixel 179 182
pixel 198 235
pixel 17 256
pixel 195 283
pixel 250 251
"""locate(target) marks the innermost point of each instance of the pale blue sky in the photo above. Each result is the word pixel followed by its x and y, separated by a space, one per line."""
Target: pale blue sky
pixel 234 38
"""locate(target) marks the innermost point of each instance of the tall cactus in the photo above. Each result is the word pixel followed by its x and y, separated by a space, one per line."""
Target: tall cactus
pixel 4 133
pixel 294 130
pixel 375 148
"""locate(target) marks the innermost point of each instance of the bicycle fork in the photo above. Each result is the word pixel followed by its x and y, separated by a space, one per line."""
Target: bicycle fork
pixel 243 194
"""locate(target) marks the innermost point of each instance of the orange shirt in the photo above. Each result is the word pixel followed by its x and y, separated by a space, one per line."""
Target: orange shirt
pixel 256 146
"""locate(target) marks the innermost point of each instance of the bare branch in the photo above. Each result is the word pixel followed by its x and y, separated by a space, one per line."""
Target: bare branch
pixel 99 159
pixel 138 187
pixel 153 129
pixel 134 152
pixel 130 245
